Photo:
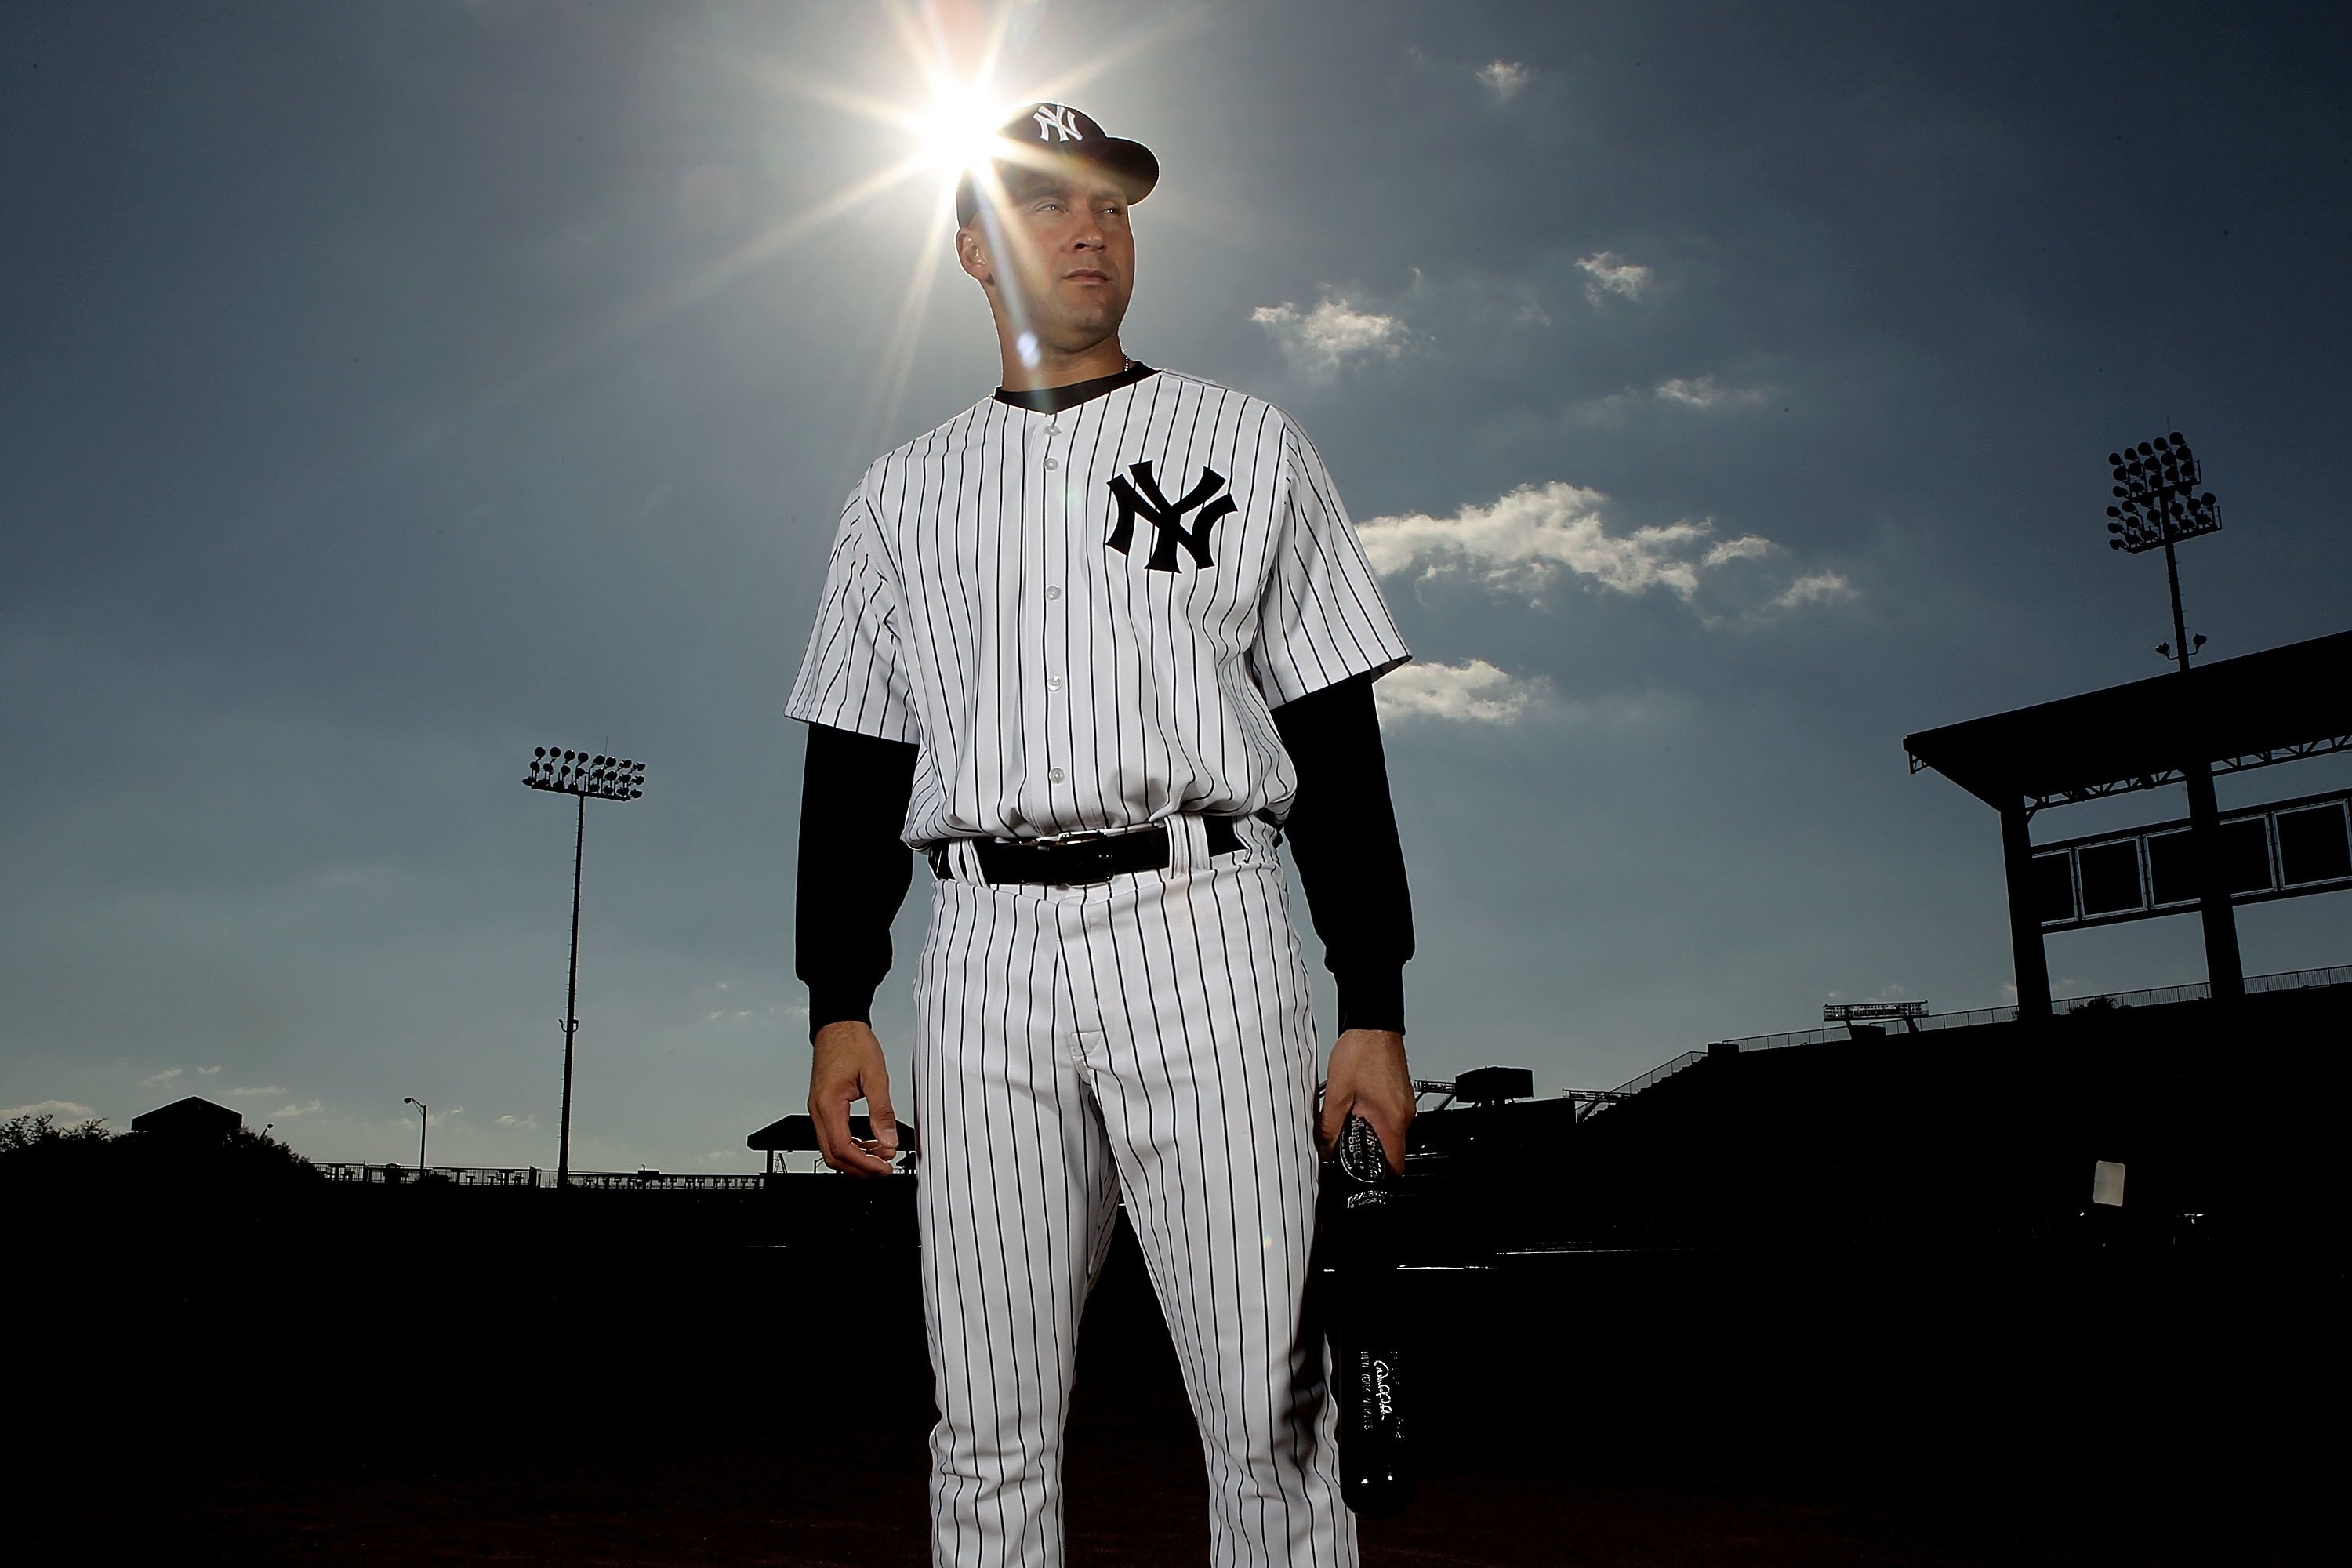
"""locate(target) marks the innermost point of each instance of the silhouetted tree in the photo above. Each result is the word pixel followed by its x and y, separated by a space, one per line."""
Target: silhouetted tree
pixel 88 1162
pixel 32 1146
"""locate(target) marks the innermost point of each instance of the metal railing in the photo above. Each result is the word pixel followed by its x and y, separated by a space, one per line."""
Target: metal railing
pixel 359 1173
pixel 1634 1086
pixel 2256 985
pixel 2285 980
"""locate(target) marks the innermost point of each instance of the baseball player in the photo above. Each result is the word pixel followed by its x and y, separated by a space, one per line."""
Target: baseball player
pixel 1098 648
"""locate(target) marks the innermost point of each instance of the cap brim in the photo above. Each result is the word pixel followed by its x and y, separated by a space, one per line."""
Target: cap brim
pixel 1137 169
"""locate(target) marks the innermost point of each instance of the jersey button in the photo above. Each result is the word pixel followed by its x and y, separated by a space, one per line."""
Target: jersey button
pixel 1053 592
pixel 1053 683
pixel 1053 430
pixel 1053 462
pixel 1056 774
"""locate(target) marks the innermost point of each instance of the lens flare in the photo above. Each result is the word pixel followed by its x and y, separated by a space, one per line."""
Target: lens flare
pixel 956 131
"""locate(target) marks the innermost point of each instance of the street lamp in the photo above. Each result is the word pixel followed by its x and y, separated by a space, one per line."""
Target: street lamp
pixel 560 771
pixel 2157 505
pixel 424 1122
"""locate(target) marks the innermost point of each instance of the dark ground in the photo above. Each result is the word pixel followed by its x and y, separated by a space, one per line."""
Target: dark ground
pixel 409 1382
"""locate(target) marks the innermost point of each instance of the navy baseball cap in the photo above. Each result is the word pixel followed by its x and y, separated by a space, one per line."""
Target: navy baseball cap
pixel 1047 130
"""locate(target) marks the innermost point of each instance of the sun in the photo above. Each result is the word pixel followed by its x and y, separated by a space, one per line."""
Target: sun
pixel 958 129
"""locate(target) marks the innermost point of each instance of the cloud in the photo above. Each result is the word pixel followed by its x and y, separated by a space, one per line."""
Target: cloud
pixel 207 1072
pixel 520 1124
pixel 1317 340
pixel 1475 692
pixel 159 1080
pixel 284 1111
pixel 1524 541
pixel 1703 393
pixel 1505 78
pixel 1609 273
pixel 1816 588
pixel 1746 547
pixel 267 1092
pixel 68 1112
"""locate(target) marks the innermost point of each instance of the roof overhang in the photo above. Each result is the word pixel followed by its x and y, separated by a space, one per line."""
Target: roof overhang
pixel 2235 713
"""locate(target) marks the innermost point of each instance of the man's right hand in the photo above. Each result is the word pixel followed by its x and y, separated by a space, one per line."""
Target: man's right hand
pixel 849 1066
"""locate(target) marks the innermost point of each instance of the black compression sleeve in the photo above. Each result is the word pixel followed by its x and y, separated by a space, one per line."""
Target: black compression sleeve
pixel 853 868
pixel 1343 833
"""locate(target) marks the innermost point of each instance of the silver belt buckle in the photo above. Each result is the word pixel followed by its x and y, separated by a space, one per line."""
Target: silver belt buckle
pixel 1086 835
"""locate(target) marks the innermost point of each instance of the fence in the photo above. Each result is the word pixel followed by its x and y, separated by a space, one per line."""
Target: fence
pixel 359 1173
pixel 2257 984
pixel 2285 980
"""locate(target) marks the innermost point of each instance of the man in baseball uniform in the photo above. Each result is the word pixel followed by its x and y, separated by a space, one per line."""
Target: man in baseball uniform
pixel 1098 648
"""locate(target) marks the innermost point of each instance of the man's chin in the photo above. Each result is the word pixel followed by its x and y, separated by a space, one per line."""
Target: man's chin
pixel 1077 333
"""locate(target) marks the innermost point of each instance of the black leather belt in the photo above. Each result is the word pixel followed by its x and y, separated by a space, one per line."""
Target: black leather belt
pixel 1081 857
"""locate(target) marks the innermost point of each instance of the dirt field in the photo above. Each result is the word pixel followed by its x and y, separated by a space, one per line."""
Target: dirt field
pixel 610 1401
pixel 856 1501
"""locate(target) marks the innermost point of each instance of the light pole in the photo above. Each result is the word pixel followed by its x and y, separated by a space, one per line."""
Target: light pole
pixel 2158 506
pixel 424 1122
pixel 590 778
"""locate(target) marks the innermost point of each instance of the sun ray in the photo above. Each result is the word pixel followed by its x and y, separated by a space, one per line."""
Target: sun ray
pixel 946 136
pixel 896 365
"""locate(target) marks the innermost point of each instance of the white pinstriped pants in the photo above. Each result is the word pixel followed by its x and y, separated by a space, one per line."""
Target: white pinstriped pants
pixel 1148 1037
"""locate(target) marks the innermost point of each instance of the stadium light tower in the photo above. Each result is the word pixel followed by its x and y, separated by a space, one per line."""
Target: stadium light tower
pixel 589 778
pixel 2158 505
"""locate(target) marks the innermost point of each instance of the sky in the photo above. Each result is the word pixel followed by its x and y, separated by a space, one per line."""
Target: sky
pixel 1722 391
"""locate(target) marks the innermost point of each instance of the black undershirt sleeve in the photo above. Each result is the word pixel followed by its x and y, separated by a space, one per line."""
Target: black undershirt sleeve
pixel 853 868
pixel 1343 835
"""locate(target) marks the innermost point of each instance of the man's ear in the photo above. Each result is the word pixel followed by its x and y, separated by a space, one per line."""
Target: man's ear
pixel 971 254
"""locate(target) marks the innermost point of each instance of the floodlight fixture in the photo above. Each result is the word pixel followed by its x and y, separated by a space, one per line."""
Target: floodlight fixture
pixel 2157 498
pixel 558 770
pixel 590 778
pixel 2159 503
pixel 1847 1012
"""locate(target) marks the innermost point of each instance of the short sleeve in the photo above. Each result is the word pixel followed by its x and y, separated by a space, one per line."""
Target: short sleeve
pixel 853 677
pixel 1321 618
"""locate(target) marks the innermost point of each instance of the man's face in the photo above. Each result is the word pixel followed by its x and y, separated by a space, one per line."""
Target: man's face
pixel 1058 253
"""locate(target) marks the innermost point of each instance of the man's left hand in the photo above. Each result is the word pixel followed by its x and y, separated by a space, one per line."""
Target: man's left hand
pixel 1367 1077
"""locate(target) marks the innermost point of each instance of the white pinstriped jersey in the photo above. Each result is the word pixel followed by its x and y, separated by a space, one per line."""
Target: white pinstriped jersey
pixel 1082 618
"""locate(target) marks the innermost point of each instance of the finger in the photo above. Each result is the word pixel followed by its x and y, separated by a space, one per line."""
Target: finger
pixel 816 1123
pixel 885 1126
pixel 1336 1107
pixel 831 1114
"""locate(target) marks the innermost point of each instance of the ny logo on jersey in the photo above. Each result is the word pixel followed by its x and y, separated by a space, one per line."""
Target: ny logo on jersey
pixel 1144 499
pixel 1052 117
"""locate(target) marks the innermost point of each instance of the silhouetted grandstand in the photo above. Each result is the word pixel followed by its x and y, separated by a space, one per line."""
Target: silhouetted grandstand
pixel 1987 1134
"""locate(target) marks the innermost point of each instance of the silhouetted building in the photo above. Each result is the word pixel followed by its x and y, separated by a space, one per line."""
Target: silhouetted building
pixel 193 1118
pixel 1996 1136
pixel 2276 706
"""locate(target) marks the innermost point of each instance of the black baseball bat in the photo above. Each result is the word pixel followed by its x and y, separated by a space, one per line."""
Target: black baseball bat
pixel 1361 1217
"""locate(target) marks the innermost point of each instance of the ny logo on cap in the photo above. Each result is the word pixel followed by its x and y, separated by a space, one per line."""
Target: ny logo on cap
pixel 1053 117
pixel 1155 509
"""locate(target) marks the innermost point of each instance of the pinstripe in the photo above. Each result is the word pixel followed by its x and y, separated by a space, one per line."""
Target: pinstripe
pixel 1145 1041
pixel 1191 1101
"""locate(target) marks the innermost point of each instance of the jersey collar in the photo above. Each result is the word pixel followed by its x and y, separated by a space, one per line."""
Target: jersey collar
pixel 1054 399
